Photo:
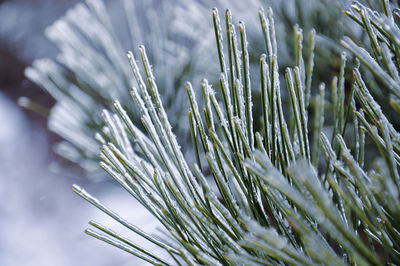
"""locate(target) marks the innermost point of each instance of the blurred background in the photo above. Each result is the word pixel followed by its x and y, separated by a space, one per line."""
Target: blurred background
pixel 41 219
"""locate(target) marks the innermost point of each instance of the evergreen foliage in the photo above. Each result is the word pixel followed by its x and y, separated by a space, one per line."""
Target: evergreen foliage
pixel 292 186
pixel 292 193
pixel 90 71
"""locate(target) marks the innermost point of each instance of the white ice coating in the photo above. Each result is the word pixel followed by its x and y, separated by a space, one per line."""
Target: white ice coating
pixel 114 160
pixel 143 141
pixel 302 114
pixel 65 122
pixel 161 112
pixel 208 92
pixel 225 88
pixel 241 114
pixel 222 119
pixel 180 176
pixel 368 61
pixel 266 26
pixel 219 40
pixel 236 52
pixel 146 105
pixel 246 74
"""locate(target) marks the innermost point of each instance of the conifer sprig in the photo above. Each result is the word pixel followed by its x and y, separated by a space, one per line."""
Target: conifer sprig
pixel 275 199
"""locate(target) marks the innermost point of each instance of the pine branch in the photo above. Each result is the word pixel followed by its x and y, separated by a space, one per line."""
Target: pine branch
pixel 275 200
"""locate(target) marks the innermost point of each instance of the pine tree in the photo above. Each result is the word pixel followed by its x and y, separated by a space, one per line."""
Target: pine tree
pixel 293 187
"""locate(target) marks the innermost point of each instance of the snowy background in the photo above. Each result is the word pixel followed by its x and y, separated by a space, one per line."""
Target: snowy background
pixel 41 219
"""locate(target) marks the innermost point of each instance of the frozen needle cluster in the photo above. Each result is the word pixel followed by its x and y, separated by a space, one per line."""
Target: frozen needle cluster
pixel 289 187
pixel 91 71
